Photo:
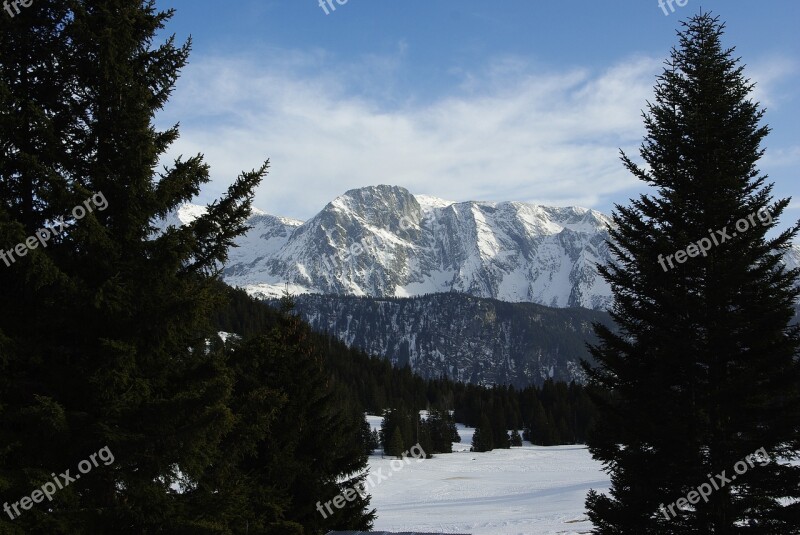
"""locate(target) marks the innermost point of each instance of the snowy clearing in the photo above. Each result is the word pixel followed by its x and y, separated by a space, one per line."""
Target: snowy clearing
pixel 530 490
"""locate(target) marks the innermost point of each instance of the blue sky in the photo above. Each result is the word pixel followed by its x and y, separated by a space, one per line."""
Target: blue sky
pixel 464 100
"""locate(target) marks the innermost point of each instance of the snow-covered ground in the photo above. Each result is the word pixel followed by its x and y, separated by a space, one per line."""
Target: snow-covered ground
pixel 530 490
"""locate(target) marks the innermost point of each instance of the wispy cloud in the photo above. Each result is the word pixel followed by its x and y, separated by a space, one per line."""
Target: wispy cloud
pixel 509 131
pixel 769 75
pixel 786 157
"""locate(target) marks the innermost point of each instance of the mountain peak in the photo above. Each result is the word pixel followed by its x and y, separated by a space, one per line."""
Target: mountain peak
pixel 382 241
pixel 373 202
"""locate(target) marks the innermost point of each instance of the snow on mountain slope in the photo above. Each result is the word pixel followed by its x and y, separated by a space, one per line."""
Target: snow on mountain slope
pixel 183 216
pixel 382 241
pixel 792 257
pixel 268 235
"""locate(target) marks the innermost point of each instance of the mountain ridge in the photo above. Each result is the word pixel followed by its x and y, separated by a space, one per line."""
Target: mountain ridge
pixel 465 338
pixel 351 266
pixel 381 241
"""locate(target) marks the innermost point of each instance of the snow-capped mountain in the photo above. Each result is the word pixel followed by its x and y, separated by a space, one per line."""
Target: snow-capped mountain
pixel 382 241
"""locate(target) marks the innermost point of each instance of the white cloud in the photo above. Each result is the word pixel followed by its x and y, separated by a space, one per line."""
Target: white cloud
pixel 769 74
pixel 509 132
pixel 787 157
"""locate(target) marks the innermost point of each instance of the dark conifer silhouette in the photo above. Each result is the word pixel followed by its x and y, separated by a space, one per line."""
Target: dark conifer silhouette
pixel 705 370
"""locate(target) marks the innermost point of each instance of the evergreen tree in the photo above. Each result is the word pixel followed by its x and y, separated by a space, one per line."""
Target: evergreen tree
pixel 403 421
pixel 367 437
pixel 585 413
pixel 705 369
pixel 376 440
pixel 483 439
pixel 499 428
pixel 424 439
pixel 104 328
pixel 232 493
pixel 312 451
pixel 541 431
pixel 396 446
pixel 515 440
pixel 441 428
pixel 454 434
pixel 388 425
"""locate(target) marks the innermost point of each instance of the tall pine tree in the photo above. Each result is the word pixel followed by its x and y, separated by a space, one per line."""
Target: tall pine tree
pixel 104 328
pixel 311 450
pixel 705 370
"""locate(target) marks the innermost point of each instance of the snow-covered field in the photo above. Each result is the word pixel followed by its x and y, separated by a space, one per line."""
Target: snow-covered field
pixel 522 491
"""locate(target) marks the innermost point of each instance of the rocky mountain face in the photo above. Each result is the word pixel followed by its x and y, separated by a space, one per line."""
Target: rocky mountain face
pixel 480 272
pixel 466 338
pixel 382 241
